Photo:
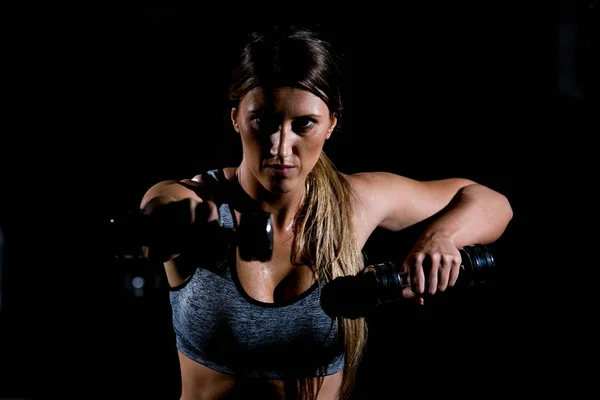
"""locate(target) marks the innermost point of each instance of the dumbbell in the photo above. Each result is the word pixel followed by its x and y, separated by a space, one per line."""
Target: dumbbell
pixel 253 236
pixel 356 296
pixel 477 263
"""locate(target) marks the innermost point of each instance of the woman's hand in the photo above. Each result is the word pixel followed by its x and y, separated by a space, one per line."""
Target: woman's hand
pixel 176 226
pixel 433 264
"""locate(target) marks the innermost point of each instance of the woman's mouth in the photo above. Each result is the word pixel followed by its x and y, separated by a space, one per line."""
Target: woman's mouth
pixel 280 169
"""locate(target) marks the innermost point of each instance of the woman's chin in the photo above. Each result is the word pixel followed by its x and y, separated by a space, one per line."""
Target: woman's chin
pixel 277 189
pixel 278 186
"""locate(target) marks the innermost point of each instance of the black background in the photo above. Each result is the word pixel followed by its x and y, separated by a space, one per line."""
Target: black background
pixel 106 100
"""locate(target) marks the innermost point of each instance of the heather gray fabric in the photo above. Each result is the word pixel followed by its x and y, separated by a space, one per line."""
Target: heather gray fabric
pixel 218 325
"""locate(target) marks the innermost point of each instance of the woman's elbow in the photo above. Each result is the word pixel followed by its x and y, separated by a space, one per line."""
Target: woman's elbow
pixel 504 210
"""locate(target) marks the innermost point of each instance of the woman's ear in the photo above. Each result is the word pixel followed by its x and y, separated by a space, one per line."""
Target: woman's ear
pixel 333 124
pixel 234 119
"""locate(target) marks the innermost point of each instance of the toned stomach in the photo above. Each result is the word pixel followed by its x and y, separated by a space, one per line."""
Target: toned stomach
pixel 202 383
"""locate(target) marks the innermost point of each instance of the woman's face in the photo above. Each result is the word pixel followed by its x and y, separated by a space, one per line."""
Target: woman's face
pixel 283 132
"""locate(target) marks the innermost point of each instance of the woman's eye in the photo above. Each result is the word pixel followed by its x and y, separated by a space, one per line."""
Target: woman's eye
pixel 302 124
pixel 265 124
pixel 257 121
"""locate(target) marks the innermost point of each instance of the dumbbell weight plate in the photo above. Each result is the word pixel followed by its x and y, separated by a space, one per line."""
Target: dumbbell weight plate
pixel 254 236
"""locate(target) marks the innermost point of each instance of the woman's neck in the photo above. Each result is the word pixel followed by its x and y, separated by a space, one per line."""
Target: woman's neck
pixel 282 206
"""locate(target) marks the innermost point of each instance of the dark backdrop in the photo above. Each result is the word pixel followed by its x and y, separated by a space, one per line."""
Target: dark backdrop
pixel 106 101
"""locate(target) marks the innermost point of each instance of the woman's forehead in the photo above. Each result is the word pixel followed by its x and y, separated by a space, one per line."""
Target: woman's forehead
pixel 284 99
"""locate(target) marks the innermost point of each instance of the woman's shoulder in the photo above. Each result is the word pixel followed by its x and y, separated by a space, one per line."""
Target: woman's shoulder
pixel 367 182
pixel 376 193
pixel 226 173
pixel 366 187
pixel 215 183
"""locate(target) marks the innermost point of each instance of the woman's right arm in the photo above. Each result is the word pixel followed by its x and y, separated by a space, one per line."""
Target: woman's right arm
pixel 175 212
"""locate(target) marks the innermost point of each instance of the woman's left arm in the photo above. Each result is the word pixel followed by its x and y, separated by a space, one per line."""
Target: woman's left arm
pixel 460 212
pixel 475 214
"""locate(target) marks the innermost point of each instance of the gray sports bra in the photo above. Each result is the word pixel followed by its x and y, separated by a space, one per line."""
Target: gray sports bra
pixel 219 325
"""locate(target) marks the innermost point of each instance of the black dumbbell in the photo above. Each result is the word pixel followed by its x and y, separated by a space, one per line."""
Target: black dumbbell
pixel 253 236
pixel 477 263
pixel 355 296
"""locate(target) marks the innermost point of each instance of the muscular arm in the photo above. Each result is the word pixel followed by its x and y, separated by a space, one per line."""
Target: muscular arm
pixel 456 212
pixel 458 208
pixel 171 190
pixel 476 214
pixel 173 207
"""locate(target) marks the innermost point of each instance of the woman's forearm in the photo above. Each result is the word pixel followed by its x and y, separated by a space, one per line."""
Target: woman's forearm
pixel 477 214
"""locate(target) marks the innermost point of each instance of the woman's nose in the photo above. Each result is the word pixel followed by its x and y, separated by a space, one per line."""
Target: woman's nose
pixel 281 142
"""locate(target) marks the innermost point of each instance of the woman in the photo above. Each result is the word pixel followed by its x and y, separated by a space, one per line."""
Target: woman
pixel 244 326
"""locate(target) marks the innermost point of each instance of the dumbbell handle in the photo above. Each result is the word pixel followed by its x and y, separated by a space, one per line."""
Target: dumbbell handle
pixel 353 296
pixel 477 260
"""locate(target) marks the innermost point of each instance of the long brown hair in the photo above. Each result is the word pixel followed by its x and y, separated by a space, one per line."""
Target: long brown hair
pixel 324 237
pixel 297 56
